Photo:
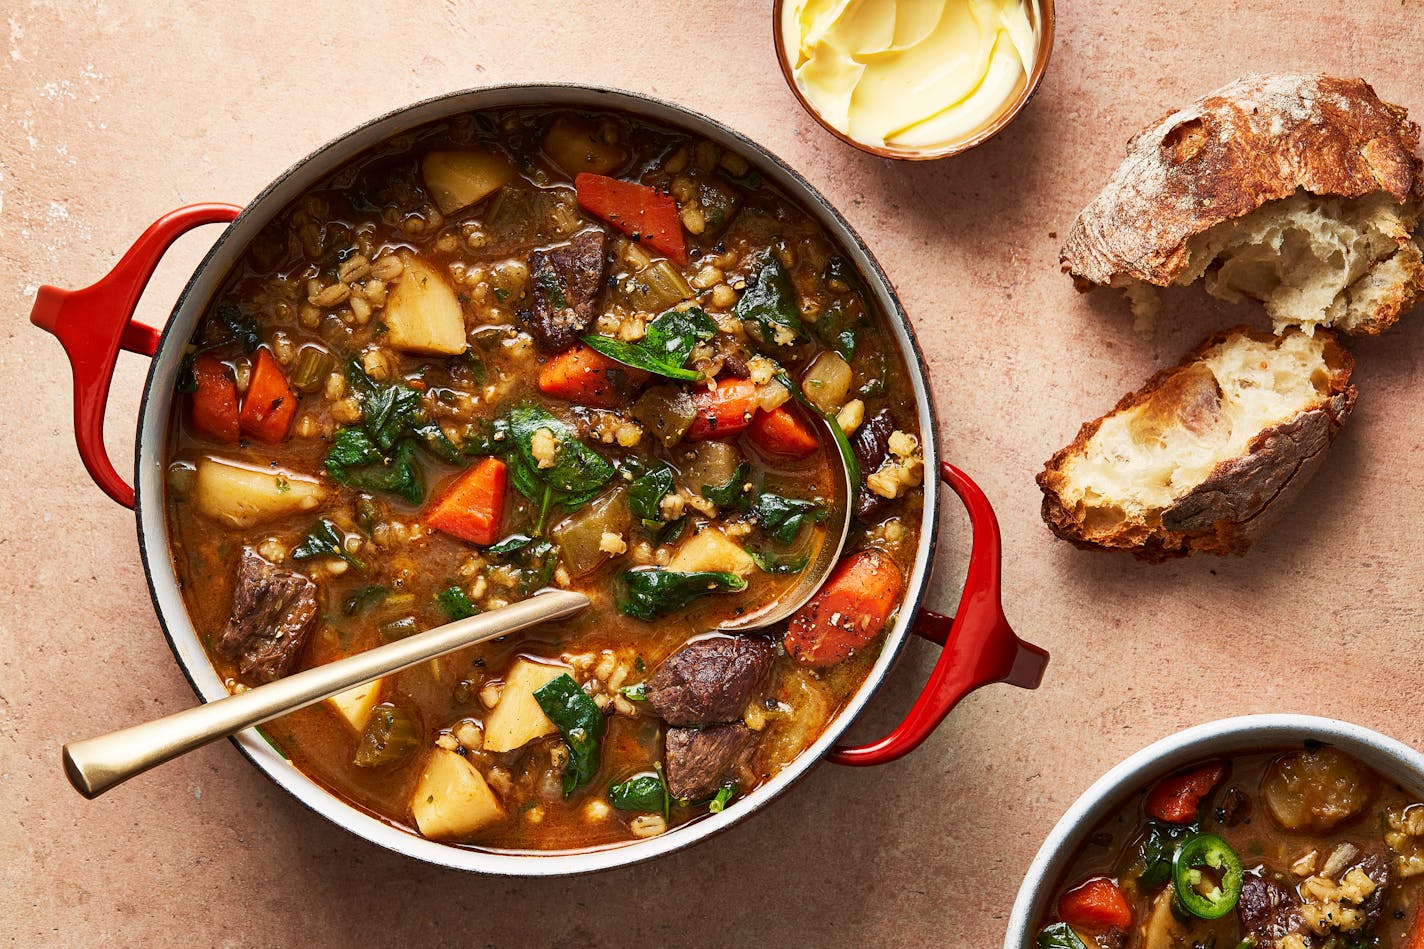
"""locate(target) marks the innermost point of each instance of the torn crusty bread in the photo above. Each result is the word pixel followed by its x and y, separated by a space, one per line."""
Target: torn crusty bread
pixel 1204 455
pixel 1303 192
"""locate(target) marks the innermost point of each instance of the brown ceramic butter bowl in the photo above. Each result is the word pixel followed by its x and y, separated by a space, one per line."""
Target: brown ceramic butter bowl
pixel 932 81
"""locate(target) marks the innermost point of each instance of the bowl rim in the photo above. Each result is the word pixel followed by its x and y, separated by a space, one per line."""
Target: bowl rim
pixel 1043 52
pixel 1238 734
pixel 156 406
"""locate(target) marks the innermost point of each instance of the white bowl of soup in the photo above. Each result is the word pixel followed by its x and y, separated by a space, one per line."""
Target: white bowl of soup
pixel 530 336
pixel 1263 830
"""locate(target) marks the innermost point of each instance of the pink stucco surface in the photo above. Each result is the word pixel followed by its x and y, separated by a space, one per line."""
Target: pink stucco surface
pixel 112 113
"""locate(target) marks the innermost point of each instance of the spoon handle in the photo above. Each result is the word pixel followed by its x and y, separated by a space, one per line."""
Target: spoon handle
pixel 96 764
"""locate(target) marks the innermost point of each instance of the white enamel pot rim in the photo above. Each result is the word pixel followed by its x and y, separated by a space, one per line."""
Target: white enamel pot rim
pixel 207 280
pixel 1243 734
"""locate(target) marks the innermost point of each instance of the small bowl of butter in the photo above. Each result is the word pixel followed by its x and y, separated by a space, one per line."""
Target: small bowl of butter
pixel 914 79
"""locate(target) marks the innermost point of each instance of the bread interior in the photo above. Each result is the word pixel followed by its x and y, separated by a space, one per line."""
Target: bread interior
pixel 1146 457
pixel 1313 261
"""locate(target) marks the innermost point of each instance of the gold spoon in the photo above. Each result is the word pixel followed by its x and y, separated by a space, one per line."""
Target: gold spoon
pixel 96 764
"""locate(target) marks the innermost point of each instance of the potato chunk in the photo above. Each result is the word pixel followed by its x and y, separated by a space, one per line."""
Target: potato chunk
pixel 452 799
pixel 712 550
pixel 827 382
pixel 518 719
pixel 354 705
pixel 578 145
pixel 238 496
pixel 458 179
pixel 1316 789
pixel 423 315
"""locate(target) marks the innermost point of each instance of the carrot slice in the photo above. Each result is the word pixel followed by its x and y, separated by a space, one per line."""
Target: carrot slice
pixel 214 403
pixel 1176 797
pixel 1096 904
pixel 724 411
pixel 848 612
pixel 643 213
pixel 588 377
pixel 782 432
pixel 271 404
pixel 473 508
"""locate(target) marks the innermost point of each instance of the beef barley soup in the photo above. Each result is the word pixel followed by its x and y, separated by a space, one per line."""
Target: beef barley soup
pixel 532 348
pixel 1299 849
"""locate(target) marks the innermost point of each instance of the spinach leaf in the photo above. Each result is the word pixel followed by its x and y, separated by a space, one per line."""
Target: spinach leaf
pixel 649 592
pixel 512 543
pixel 388 413
pixel 355 461
pixel 187 374
pixel 722 799
pixel 537 564
pixel 732 496
pixel 576 476
pixel 379 454
pixel 834 330
pixel 325 540
pixel 455 603
pixel 646 493
pixel 580 721
pixel 1059 936
pixel 363 599
pixel 1158 848
pixel 643 792
pixel 780 564
pixel 635 693
pixel 782 518
pixel 768 305
pixel 664 348
pixel 840 269
pixel 232 325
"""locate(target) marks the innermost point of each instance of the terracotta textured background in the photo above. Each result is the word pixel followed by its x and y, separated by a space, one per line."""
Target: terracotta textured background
pixel 112 113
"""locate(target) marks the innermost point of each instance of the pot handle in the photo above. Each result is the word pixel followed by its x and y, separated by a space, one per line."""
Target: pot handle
pixel 979 646
pixel 92 325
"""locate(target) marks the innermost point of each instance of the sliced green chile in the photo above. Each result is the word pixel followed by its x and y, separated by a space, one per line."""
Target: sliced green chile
pixel 1210 852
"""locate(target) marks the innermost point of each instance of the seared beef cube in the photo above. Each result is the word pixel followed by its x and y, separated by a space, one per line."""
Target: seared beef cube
pixel 1269 910
pixel 710 680
pixel 871 444
pixel 564 281
pixel 701 760
pixel 273 613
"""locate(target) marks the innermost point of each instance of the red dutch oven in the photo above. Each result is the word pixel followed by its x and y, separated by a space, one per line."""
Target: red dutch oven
pixel 95 323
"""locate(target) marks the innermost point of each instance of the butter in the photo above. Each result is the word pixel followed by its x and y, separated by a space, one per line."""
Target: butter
pixel 908 74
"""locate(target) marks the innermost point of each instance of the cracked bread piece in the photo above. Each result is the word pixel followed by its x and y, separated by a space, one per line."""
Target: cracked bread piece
pixel 1208 452
pixel 1303 192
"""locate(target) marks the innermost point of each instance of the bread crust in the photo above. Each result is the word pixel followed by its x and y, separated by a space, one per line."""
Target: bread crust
pixel 1240 498
pixel 1256 140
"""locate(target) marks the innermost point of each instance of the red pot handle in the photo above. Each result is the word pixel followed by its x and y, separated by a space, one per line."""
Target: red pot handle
pixel 979 646
pixel 94 323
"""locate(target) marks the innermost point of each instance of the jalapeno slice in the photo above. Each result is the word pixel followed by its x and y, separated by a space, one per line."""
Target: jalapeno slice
pixel 1204 897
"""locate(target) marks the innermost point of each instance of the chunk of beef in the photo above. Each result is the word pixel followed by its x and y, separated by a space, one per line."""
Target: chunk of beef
pixel 564 282
pixel 871 444
pixel 710 680
pixel 273 613
pixel 1269 910
pixel 700 760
